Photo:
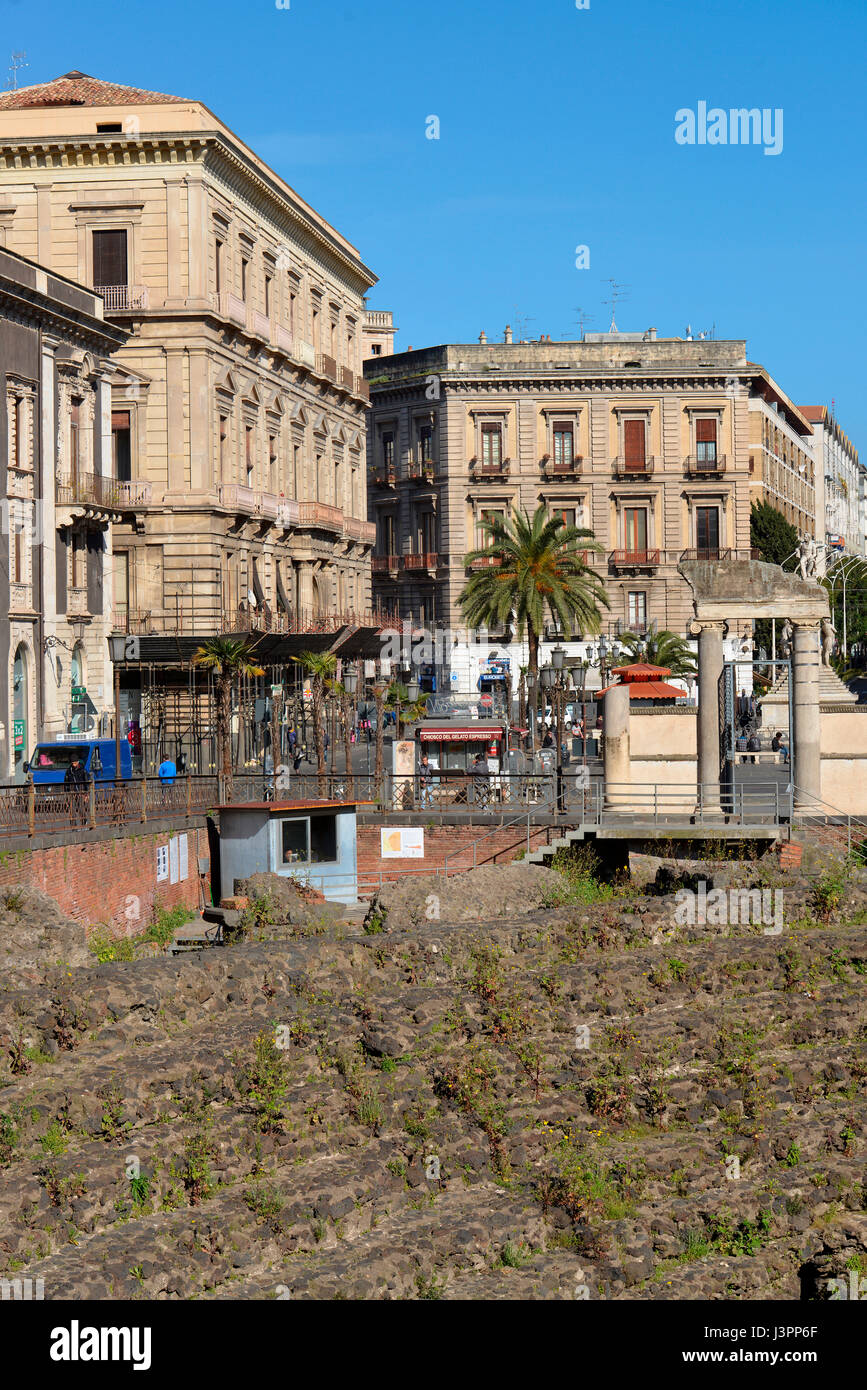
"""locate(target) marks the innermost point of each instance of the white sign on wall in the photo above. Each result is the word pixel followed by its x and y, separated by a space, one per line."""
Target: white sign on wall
pixel 162 863
pixel 173 860
pixel 404 843
pixel 183 858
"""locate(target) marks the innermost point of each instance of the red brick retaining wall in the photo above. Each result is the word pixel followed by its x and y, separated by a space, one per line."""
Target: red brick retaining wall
pixel 440 842
pixel 108 883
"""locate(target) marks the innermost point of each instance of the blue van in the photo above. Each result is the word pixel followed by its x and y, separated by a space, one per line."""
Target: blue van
pixel 51 760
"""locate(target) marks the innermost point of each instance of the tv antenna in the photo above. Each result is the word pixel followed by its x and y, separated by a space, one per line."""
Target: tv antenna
pixel 521 321
pixel 16 62
pixel 582 320
pixel 617 294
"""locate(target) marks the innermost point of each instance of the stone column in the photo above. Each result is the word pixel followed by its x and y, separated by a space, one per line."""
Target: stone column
pixel 806 762
pixel 710 665
pixel 617 767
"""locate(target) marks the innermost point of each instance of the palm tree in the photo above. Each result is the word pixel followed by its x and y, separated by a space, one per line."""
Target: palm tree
pixel 661 649
pixel 231 660
pixel 533 565
pixel 407 711
pixel 320 666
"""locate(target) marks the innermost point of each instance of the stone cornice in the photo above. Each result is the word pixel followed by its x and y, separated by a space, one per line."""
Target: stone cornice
pixel 33 309
pixel 578 384
pixel 124 152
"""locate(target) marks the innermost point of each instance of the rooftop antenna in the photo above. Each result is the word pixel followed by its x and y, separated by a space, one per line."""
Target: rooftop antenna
pixel 17 61
pixel 583 320
pixel 521 321
pixel 617 293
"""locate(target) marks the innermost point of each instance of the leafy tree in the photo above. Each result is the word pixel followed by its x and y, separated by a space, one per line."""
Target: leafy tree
pixel 773 536
pixel 662 649
pixel 320 666
pixel 231 659
pixel 397 698
pixel 533 566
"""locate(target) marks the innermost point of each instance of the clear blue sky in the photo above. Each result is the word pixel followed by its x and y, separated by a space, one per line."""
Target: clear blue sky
pixel 557 129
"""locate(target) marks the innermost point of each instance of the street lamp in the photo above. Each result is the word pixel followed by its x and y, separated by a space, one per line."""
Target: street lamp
pixel 579 680
pixel 117 649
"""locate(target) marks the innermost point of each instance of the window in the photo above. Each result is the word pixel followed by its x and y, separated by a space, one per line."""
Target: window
pixel 111 128
pixel 635 528
pixel 75 438
pixel 427 534
pixel 248 453
pixel 636 611
pixel 564 444
pixel 705 443
pixel 292 311
pixel 310 840
pixel 323 839
pixel 218 264
pixel 109 259
pixel 224 444
pixel 272 452
pixel 484 540
pixel 121 583
pixel 569 515
pixel 121 450
pixel 245 266
pixel 267 296
pixel 388 449
pixel 376 350
pixel 387 536
pixel 634 437
pixel 425 444
pixel 707 529
pixel 17 558
pixel 492 445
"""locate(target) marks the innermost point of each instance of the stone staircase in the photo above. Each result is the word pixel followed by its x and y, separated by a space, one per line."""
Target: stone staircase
pixel 832 691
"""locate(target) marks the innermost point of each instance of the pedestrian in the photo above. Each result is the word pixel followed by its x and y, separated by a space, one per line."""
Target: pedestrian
pixel 75 778
pixel 167 772
pixel 548 740
pixel 425 778
pixel 481 779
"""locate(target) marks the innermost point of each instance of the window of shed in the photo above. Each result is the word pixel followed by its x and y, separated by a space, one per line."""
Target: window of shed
pixel 295 842
pixel 323 839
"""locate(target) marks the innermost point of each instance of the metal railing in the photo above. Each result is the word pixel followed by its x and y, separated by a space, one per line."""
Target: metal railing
pixel 831 825
pixel 89 489
pixel 622 467
pixel 118 298
pixel 38 809
pixel 634 559
pixel 696 467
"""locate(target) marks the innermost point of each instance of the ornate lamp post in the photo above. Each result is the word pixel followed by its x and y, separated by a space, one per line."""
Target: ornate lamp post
pixel 117 649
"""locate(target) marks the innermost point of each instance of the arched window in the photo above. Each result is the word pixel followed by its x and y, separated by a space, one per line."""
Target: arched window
pixel 20 708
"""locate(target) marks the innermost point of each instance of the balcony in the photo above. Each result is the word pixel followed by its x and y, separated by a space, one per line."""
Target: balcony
pixel 356 530
pixel 268 505
pixel 122 299
pixel 378 318
pixel 635 559
pixel 347 378
pixel 318 514
pixel 327 366
pixel 622 467
pixel 229 306
pixel 76 603
pixel 704 468
pixel 88 490
pixel 421 471
pixel 385 564
pixel 383 477
pixel 362 388
pixel 305 352
pixel 569 469
pixel 485 562
pixel 284 340
pixel 134 493
pixel 288 513
pixel 428 560
pixel 237 498
pixel 259 325
pixel 482 471
pixel 20 598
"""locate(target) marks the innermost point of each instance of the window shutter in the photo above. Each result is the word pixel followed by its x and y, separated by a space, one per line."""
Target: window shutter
pixel 633 442
pixel 109 258
pixel 705 431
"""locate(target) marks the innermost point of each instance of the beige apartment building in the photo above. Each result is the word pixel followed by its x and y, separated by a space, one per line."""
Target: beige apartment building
pixel 238 401
pixel 654 444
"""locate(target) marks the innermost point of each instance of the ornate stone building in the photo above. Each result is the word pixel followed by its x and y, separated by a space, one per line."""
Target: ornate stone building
pixel 238 408
pixel 59 504
pixel 649 442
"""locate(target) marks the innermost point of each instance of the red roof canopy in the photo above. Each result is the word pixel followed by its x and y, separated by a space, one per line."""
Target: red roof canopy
pixel 640 671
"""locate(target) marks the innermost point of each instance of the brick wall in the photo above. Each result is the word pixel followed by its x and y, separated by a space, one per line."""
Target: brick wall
pixel 440 842
pixel 110 884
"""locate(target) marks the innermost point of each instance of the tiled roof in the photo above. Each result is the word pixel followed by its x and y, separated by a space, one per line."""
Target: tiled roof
pixel 78 89
pixel 812 412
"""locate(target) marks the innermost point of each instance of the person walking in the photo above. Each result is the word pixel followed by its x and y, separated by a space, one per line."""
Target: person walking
pixel 167 772
pixel 481 780
pixel 75 778
pixel 425 780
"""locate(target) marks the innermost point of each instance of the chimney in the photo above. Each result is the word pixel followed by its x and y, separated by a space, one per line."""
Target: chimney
pixel 507 336
pixel 483 337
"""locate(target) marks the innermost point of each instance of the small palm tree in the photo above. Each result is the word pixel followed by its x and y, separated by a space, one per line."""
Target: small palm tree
pixel 231 659
pixel 320 666
pixel 531 566
pixel 661 649
pixel 397 699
